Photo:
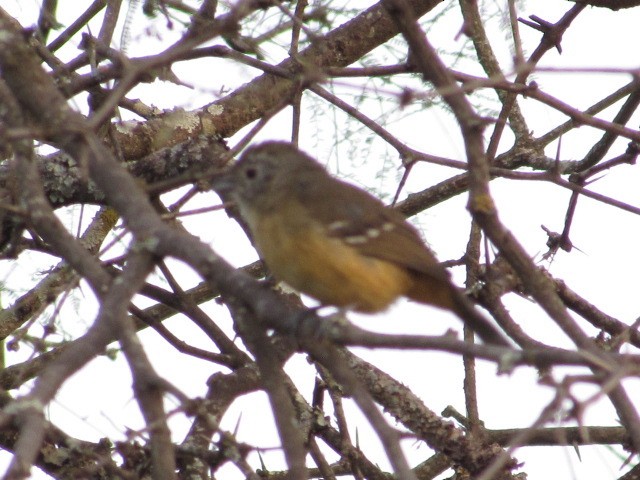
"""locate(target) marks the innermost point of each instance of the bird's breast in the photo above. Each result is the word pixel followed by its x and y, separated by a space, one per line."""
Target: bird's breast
pixel 300 253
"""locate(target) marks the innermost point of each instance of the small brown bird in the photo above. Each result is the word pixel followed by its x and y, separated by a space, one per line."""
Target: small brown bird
pixel 336 242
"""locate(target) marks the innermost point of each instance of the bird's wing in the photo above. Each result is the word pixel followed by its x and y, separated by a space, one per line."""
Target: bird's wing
pixel 374 229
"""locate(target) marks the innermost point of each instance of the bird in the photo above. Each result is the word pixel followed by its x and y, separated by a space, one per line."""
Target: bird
pixel 336 242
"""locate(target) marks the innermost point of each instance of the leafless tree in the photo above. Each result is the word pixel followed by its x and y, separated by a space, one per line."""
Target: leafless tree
pixel 139 168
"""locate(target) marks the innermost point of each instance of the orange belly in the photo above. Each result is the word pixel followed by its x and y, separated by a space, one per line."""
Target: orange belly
pixel 329 270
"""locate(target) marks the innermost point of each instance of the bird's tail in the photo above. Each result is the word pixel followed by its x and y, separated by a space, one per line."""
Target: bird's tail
pixel 440 292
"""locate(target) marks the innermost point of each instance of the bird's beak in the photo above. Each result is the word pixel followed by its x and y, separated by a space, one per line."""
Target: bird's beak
pixel 223 183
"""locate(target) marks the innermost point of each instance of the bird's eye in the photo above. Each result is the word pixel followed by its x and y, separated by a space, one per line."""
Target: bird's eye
pixel 250 173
